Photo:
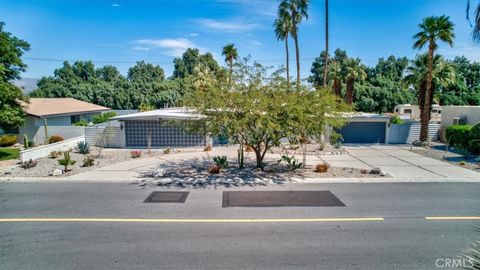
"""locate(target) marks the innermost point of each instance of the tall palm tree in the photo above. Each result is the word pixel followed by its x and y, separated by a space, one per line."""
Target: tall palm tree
pixel 335 75
pixel 432 30
pixel 230 53
pixel 283 27
pixel 443 74
pixel 296 10
pixel 325 66
pixel 354 71
pixel 476 26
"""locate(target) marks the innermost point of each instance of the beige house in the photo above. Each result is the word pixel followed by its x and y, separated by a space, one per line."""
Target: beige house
pixel 412 112
pixel 59 115
pixel 458 115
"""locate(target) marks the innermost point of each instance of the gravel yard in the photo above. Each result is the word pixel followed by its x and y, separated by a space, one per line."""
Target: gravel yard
pixel 437 151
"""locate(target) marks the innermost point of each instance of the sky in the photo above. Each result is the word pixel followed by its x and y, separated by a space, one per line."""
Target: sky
pixel 121 32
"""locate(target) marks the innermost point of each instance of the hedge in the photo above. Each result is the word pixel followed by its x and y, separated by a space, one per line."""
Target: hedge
pixel 458 135
pixel 8 140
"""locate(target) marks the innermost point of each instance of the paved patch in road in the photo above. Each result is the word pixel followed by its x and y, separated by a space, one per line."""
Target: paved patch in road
pixel 279 198
pixel 167 197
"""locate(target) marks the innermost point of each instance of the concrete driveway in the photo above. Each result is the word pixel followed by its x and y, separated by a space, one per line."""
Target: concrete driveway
pixel 400 163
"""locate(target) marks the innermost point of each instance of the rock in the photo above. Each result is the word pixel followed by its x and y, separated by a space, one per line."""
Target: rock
pixel 260 182
pixel 164 182
pixel 375 171
pixel 57 172
pixel 142 184
pixel 159 172
pixel 419 143
pixel 8 171
pixel 382 173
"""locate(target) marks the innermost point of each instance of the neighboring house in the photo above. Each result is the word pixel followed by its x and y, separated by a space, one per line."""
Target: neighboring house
pixel 163 128
pixel 458 115
pixel 58 114
pixel 412 112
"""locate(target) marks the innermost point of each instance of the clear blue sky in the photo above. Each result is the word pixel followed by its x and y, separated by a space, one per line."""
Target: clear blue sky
pixel 156 31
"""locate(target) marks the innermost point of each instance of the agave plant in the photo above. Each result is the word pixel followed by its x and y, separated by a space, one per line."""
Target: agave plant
pixel 83 147
pixel 221 161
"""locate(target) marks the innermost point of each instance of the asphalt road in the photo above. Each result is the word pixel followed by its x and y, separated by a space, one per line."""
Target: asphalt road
pixel 125 236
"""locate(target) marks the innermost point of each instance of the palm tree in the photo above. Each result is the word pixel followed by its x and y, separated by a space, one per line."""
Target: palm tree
pixel 230 53
pixel 283 26
pixel 335 74
pixel 325 66
pixel 443 74
pixel 354 71
pixel 296 10
pixel 476 26
pixel 433 29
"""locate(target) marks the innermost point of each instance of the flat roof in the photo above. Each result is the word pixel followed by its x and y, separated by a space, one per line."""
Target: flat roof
pixel 167 114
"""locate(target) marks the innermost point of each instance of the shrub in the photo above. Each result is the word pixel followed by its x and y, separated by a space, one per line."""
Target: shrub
pixel 136 153
pixel 28 164
pixel 249 149
pixel 82 147
pixel 55 138
pixel 214 169
pixel 54 154
pixel 458 135
pixel 207 148
pixel 474 146
pixel 222 161
pixel 66 160
pixel 304 140
pixel 292 162
pixel 8 140
pixel 462 163
pixel 167 150
pixel 88 161
pixel 322 168
pixel 81 123
pixel 335 138
pixel 104 117
pixel 475 131
pixel 395 119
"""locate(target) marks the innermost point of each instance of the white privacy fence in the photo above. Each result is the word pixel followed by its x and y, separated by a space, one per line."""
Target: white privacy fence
pixel 410 131
pixel 111 133
pixel 45 150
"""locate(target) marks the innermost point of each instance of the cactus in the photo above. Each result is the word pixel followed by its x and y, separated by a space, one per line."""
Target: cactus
pixel 25 141
pixel 240 156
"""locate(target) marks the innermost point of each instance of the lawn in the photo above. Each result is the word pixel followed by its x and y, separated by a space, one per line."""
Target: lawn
pixel 9 153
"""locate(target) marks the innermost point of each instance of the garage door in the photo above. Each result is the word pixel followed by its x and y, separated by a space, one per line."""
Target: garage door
pixel 363 132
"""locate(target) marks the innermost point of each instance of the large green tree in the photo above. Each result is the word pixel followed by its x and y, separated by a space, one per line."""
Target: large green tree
pixel 296 10
pixel 185 65
pixel 231 54
pixel 261 108
pixel 11 65
pixel 432 30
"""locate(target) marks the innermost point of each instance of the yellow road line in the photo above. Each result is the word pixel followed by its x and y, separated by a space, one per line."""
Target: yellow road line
pixel 148 220
pixel 453 218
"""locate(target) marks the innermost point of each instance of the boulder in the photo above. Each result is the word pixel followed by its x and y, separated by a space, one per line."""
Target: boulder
pixel 57 172
pixel 376 171
pixel 164 182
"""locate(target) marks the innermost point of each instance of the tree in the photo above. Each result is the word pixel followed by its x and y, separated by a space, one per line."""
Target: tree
pixel 184 66
pixel 230 53
pixel 11 65
pixel 432 30
pixel 335 74
pixel 261 108
pixel 283 26
pixel 354 71
pixel 476 22
pixel 325 67
pixel 296 10
pixel 318 66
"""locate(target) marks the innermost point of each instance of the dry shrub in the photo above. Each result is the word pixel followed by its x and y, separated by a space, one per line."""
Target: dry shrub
pixel 214 169
pixel 303 140
pixel 322 168
pixel 207 148
pixel 249 149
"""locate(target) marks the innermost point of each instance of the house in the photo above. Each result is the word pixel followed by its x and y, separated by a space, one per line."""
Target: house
pixel 160 128
pixel 412 112
pixel 458 115
pixel 57 115
pixel 365 128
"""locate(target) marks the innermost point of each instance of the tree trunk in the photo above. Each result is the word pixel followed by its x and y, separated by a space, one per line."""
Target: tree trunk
pixel 297 56
pixel 350 88
pixel 259 158
pixel 425 112
pixel 325 65
pixel 230 62
pixel 287 60
pixel 337 87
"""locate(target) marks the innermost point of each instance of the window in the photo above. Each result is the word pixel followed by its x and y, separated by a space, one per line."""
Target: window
pixel 439 112
pixel 407 111
pixel 74 119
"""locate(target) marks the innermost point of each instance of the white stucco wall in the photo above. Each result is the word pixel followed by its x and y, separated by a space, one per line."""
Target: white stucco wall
pixel 45 150
pixel 471 114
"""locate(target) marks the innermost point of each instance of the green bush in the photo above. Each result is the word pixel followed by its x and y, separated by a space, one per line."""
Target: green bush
pixel 81 123
pixel 104 117
pixel 474 146
pixel 395 119
pixel 475 131
pixel 292 162
pixel 221 161
pixel 8 140
pixel 458 135
pixel 55 138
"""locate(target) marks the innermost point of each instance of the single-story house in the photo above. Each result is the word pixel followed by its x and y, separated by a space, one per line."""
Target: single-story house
pixel 458 115
pixel 163 127
pixel 58 114
pixel 412 112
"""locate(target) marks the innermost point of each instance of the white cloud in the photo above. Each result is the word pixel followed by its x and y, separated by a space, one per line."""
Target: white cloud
pixel 115 5
pixel 140 48
pixel 470 51
pixel 227 26
pixel 171 46
pixel 193 34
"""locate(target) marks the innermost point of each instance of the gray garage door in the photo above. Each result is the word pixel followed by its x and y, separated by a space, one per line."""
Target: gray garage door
pixel 363 132
pixel 163 134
